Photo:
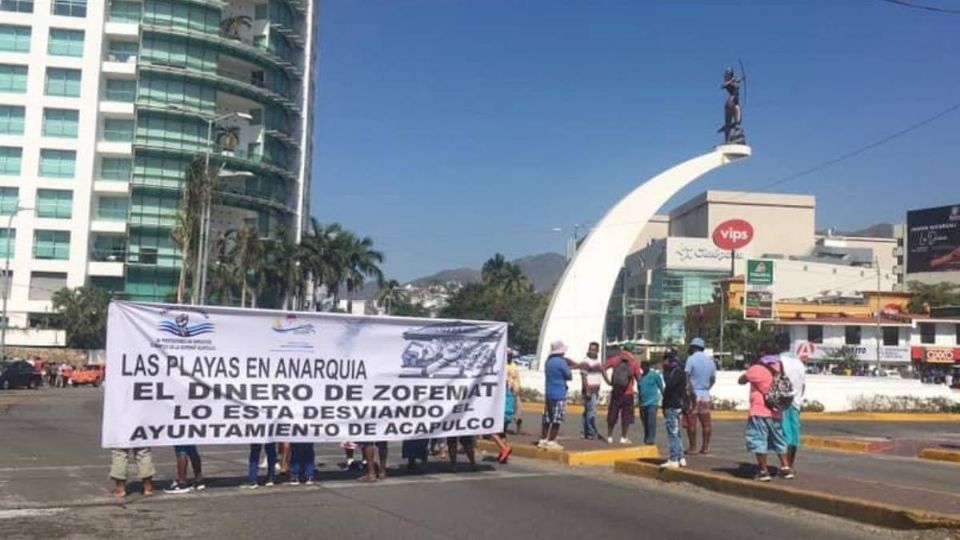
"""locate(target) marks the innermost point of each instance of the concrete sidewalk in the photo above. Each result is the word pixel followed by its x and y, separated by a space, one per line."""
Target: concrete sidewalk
pixel 878 501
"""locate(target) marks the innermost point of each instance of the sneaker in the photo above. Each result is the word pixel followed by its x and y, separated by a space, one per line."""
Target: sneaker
pixel 670 465
pixel 787 473
pixel 542 444
pixel 251 485
pixel 609 440
pixel 553 445
pixel 624 440
pixel 269 483
pixel 762 476
pixel 293 482
pixel 308 482
pixel 199 485
pixel 176 488
pixel 683 462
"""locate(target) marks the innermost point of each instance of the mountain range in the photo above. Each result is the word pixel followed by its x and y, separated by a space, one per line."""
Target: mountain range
pixel 542 270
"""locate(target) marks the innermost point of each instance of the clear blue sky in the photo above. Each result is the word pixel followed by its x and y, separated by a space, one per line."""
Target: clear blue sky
pixel 448 130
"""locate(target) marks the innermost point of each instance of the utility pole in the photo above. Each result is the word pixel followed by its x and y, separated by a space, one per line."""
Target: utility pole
pixel 876 264
pixel 6 281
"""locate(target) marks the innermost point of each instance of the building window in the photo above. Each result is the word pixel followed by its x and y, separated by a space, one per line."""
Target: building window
pixel 891 336
pixel 117 130
pixel 8 243
pixel 10 158
pixel 44 284
pixel 116 168
pixel 260 12
pixel 112 208
pixel 815 333
pixel 69 8
pixel 58 163
pixel 60 123
pixel 14 38
pixel 928 333
pixel 8 200
pixel 63 82
pixel 122 51
pixel 17 6
pixel 120 90
pixel 54 245
pixel 124 12
pixel 11 120
pixel 13 79
pixel 851 335
pixel 54 203
pixel 63 42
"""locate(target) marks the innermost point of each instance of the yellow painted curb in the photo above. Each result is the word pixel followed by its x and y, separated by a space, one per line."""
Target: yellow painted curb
pixel 940 454
pixel 846 444
pixel 864 511
pixel 605 456
pixel 533 406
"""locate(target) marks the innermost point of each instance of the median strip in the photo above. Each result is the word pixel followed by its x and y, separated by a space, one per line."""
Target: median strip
pixel 940 454
pixel 575 457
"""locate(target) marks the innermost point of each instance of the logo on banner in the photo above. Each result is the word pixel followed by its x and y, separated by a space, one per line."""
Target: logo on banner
pixel 292 325
pixel 180 326
pixel 451 350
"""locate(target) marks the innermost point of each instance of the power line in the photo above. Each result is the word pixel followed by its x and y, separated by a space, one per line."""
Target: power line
pixel 935 9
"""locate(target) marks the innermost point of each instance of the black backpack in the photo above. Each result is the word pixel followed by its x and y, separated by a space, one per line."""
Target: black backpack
pixel 622 375
pixel 780 395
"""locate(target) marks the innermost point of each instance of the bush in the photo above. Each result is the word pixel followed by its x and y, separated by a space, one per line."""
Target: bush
pixel 529 394
pixel 725 404
pixel 903 404
pixel 811 406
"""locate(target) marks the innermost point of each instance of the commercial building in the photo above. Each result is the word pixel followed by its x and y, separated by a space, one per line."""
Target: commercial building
pixel 103 104
pixel 669 273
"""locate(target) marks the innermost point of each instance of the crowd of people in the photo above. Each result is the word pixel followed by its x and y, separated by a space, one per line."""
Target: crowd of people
pixel 681 388
pixel 294 463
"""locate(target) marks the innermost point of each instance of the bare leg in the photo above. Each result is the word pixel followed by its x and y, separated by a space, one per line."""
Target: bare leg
pixel 707 424
pixel 791 456
pixel 197 467
pixel 367 453
pixel 382 472
pixel 520 425
pixel 182 462
pixel 120 489
pixel 284 451
pixel 761 463
pixel 148 486
pixel 452 453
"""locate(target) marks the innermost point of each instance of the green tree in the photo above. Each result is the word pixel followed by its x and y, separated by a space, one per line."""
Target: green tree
pixel 323 255
pixel 283 272
pixel 505 295
pixel 930 295
pixel 84 313
pixel 391 294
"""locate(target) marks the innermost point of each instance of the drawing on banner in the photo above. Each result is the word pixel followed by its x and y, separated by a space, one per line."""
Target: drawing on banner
pixel 292 325
pixel 451 350
pixel 180 326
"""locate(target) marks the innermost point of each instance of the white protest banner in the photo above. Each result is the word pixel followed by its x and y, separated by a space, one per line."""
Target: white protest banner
pixel 209 375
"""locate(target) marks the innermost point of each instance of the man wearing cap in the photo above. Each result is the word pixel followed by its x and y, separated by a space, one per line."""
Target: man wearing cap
pixel 702 375
pixel 556 373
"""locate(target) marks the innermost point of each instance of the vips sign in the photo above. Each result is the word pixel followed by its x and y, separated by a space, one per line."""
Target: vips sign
pixel 933 239
pixel 733 234
pixel 185 375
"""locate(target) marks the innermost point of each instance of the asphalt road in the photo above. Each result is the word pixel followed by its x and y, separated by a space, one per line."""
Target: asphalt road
pixel 53 484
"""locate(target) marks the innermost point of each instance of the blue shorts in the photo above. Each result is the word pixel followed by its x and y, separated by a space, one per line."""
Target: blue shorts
pixel 764 435
pixel 185 450
pixel 791 426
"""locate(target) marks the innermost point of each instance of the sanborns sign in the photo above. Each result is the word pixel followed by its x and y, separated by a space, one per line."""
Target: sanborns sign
pixel 733 234
pixel 182 375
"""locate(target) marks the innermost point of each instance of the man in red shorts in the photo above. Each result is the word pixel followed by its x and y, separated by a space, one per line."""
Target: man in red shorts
pixel 621 373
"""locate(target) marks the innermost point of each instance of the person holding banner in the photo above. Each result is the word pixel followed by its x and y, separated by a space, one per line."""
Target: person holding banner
pixel 187 454
pixel 375 470
pixel 120 459
pixel 303 464
pixel 254 463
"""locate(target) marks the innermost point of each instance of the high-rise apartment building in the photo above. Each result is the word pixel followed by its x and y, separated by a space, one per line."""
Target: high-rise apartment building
pixel 103 104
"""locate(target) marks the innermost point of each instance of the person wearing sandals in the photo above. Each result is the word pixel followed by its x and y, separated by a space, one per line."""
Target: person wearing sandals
pixel 375 456
pixel 468 442
pixel 501 438
pixel 764 432
pixel 120 459
pixel 254 463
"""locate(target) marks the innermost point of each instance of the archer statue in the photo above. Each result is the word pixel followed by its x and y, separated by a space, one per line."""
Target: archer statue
pixel 732 115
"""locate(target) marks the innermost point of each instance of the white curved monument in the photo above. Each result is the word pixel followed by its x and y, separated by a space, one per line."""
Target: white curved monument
pixel 578 308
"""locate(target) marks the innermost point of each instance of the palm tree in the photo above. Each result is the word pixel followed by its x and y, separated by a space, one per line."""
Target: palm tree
pixel 503 275
pixel 197 187
pixel 231 25
pixel 324 255
pixel 283 273
pixel 391 294
pixel 363 262
pixel 247 254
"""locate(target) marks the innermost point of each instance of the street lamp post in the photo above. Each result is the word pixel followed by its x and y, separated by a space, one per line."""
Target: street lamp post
pixel 203 248
pixel 6 280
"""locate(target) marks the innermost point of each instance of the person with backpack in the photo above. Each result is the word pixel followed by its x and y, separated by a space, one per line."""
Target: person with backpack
pixel 621 372
pixel 674 395
pixel 770 393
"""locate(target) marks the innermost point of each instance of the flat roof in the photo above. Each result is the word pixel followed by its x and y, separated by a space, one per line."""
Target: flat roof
pixel 744 198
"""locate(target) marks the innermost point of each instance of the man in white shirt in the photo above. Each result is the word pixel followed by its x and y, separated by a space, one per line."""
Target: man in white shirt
pixel 591 377
pixel 795 370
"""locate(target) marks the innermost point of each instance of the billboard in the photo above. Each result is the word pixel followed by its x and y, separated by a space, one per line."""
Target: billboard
pixel 758 303
pixel 933 239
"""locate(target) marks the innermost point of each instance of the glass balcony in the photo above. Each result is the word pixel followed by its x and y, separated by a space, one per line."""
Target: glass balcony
pixel 108 254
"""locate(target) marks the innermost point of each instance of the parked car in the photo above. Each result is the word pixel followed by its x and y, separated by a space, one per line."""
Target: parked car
pixel 19 374
pixel 88 374
pixel 526 361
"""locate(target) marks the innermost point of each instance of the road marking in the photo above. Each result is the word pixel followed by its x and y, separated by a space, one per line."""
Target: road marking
pixel 30 512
